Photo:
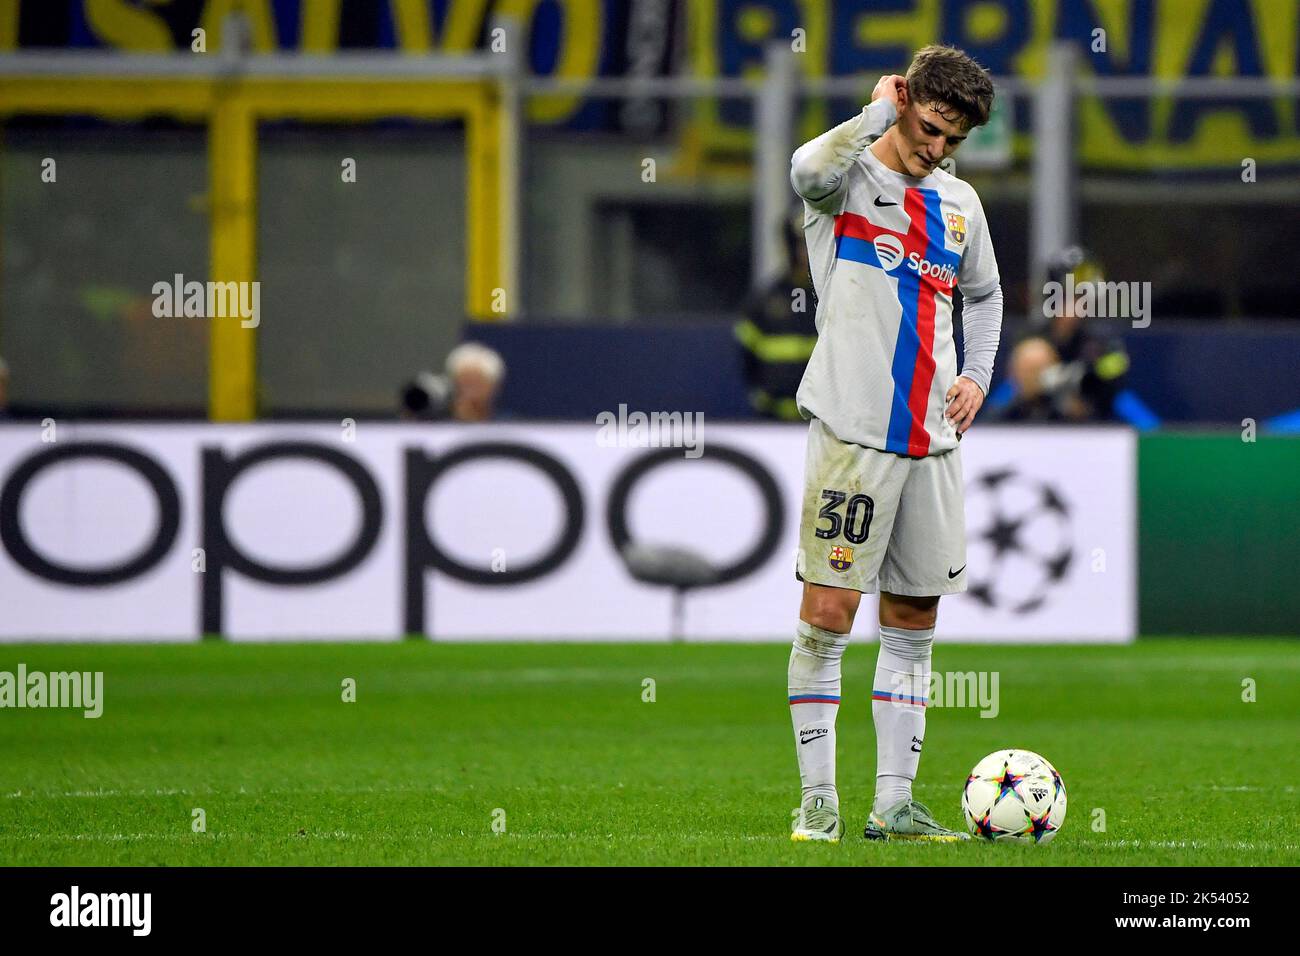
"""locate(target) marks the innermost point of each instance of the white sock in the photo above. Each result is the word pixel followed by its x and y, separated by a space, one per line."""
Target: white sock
pixel 898 699
pixel 814 684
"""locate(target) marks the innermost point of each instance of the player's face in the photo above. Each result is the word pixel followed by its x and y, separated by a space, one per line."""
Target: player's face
pixel 927 136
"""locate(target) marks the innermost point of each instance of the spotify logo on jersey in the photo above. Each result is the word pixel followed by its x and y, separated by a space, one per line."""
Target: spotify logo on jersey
pixel 889 250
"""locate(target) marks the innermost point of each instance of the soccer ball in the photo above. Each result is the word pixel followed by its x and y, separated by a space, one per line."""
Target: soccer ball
pixel 1014 795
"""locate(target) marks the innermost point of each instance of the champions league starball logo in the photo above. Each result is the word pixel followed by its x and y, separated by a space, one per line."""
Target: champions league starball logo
pixel 1019 540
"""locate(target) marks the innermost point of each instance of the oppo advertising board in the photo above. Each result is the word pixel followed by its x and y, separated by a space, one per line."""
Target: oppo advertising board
pixel 509 532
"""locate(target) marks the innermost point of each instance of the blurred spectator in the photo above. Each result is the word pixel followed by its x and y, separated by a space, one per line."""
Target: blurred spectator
pixel 4 389
pixel 476 373
pixel 466 392
pixel 1034 367
pixel 1066 369
pixel 780 329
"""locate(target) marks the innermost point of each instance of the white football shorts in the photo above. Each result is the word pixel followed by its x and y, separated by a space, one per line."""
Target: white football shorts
pixel 873 520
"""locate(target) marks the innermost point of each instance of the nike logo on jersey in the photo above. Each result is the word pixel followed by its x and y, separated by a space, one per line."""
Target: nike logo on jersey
pixel 952 574
pixel 883 204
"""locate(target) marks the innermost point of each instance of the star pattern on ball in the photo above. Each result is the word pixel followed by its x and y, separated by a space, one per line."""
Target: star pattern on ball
pixel 1058 783
pixel 1008 782
pixel 1041 825
pixel 983 828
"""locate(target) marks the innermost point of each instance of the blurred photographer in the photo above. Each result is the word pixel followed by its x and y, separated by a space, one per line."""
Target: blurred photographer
pixel 465 392
pixel 1067 369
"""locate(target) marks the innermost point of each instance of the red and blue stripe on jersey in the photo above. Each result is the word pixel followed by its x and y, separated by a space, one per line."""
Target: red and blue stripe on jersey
pixel 913 363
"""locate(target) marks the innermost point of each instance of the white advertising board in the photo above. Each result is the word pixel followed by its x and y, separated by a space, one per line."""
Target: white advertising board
pixel 144 531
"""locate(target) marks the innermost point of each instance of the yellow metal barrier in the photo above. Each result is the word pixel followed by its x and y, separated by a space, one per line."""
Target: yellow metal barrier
pixel 232 107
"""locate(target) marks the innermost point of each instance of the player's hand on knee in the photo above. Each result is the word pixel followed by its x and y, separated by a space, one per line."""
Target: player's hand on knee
pixel 964 400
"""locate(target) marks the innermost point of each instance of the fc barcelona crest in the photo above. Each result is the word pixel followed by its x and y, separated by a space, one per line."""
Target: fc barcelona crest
pixel 957 227
pixel 841 558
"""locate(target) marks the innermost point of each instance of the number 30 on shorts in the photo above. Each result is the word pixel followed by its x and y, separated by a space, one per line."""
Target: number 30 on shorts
pixel 856 520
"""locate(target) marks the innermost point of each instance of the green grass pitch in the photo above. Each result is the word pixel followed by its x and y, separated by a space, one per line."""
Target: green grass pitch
pixel 556 742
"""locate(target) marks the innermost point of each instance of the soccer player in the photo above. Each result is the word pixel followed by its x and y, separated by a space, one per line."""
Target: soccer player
pixel 890 235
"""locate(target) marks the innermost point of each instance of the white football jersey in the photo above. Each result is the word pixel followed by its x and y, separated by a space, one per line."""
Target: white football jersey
pixel 886 251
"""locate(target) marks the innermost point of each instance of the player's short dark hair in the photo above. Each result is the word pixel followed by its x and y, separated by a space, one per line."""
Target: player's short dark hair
pixel 948 80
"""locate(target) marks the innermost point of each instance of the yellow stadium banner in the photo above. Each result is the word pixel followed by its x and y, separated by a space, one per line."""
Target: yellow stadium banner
pixel 1173 41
